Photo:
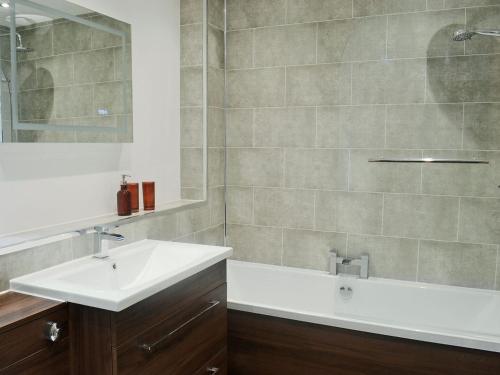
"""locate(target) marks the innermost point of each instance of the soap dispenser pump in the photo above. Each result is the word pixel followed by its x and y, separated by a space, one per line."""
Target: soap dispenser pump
pixel 124 198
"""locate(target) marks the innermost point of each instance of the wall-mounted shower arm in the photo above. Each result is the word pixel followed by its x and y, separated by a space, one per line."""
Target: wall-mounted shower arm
pixel 461 35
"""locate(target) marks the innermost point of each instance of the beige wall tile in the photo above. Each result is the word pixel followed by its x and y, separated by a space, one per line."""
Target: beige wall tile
pixel 191 87
pixel 463 79
pixel 388 82
pixel 318 85
pixel 285 45
pixel 215 47
pixel 427 126
pixel 191 167
pixel 480 220
pixel 254 167
pixel 351 126
pixel 318 10
pixel 239 205
pixel 483 18
pixel 372 7
pixel 213 236
pixel 255 244
pixel 481 130
pixel 349 212
pixel 216 201
pixel 256 88
pixel 310 249
pixel 382 177
pixel 239 127
pixel 420 216
pixel 285 127
pixel 191 11
pixel 191 127
pixel 458 264
pixel 425 34
pixel 288 208
pixel 57 71
pixel 316 169
pixel 462 179
pixel 192 45
pixel 215 87
pixel 392 258
pixel 216 127
pixel 240 49
pixel 244 14
pixel 352 39
pixel 216 161
pixel 469 3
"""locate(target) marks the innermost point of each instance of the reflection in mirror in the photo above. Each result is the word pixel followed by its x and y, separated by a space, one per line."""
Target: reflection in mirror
pixel 65 74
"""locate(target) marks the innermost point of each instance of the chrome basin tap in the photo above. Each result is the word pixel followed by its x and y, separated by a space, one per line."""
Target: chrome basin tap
pixel 362 262
pixel 103 234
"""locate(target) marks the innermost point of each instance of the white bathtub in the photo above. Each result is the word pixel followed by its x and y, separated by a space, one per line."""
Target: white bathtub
pixel 440 314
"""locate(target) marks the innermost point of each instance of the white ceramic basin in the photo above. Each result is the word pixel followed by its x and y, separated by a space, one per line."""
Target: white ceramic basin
pixel 130 274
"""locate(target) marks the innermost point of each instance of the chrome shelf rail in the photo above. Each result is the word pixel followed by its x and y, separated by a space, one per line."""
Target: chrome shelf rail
pixel 430 160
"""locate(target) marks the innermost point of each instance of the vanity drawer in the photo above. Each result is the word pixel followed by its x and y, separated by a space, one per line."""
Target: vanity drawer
pixel 53 361
pixel 216 366
pixel 140 317
pixel 30 338
pixel 181 344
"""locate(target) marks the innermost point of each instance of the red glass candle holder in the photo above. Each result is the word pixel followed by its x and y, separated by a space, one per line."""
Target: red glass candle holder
pixel 148 195
pixel 133 187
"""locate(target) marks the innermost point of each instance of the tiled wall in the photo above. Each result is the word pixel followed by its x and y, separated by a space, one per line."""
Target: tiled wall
pixel 204 224
pixel 316 88
pixel 73 72
pixel 192 97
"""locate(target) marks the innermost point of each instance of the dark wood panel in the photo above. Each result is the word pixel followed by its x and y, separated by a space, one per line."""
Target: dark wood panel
pixel 218 363
pixel 23 341
pixel 90 333
pixel 142 316
pixel 16 309
pixel 262 345
pixel 49 361
pixel 201 337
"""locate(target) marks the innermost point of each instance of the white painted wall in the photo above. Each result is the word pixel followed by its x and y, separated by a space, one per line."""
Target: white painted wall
pixel 46 184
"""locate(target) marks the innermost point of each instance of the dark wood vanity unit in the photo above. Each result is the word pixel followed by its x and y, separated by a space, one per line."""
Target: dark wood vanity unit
pixel 263 345
pixel 25 329
pixel 180 330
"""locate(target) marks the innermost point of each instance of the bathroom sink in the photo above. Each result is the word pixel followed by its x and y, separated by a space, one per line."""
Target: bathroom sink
pixel 130 274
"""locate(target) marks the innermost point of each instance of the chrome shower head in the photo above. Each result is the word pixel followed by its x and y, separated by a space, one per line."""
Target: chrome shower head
pixel 20 47
pixel 461 35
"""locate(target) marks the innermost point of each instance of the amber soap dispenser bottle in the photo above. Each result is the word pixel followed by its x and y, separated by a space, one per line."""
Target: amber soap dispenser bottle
pixel 124 198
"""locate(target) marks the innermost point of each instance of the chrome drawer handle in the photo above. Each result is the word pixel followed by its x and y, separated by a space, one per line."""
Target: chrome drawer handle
pixel 213 370
pixel 52 332
pixel 151 348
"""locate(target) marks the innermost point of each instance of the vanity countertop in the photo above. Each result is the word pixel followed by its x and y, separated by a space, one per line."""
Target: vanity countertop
pixel 16 309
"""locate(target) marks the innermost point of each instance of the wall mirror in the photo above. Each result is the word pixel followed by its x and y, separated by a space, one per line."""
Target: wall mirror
pixel 65 74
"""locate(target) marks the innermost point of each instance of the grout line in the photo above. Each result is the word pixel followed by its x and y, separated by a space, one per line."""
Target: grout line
pixel 395 236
